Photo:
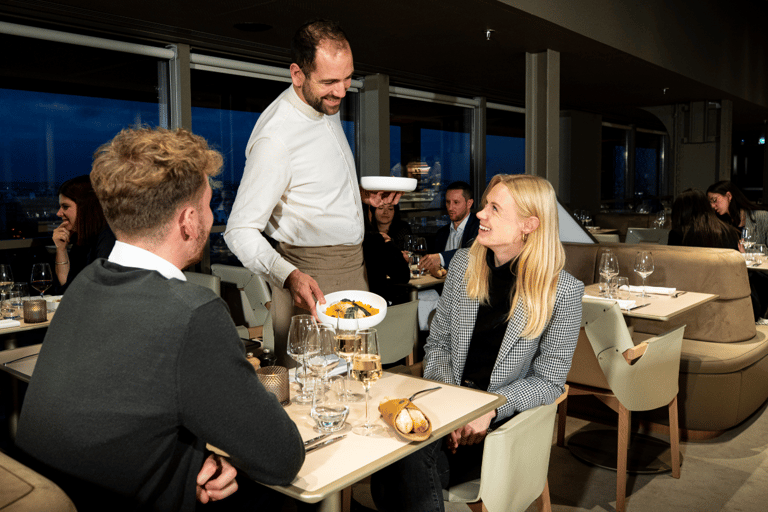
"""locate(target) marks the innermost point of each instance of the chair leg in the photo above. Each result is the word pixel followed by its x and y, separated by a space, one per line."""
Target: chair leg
pixel 562 416
pixel 477 506
pixel 543 503
pixel 674 438
pixel 621 463
pixel 346 499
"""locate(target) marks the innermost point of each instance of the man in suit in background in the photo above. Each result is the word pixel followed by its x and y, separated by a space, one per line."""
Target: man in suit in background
pixel 459 233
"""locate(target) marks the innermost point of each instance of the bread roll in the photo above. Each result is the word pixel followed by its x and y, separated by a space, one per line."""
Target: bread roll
pixel 404 422
pixel 420 423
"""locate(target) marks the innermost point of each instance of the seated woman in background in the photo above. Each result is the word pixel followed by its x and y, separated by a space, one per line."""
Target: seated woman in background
pixel 84 226
pixel 385 265
pixel 694 223
pixel 507 322
pixel 733 207
pixel 386 220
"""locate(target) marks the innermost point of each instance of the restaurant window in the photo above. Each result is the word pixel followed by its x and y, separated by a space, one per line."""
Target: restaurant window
pixel 504 143
pixel 59 103
pixel 429 142
pixel 614 169
pixel 648 151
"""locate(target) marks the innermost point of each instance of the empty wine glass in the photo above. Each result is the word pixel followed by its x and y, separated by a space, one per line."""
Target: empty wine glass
pixel 42 277
pixel 303 336
pixel 747 240
pixel 609 266
pixel 661 219
pixel 366 368
pixel 644 267
pixel 326 358
pixel 6 278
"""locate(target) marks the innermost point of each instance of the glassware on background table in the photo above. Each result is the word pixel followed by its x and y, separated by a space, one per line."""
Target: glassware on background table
pixel 761 253
pixel 22 288
pixel 347 341
pixel 327 357
pixel 366 368
pixel 420 248
pixel 6 278
pixel 747 240
pixel 303 337
pixel 644 267
pixel 413 264
pixel 42 277
pixel 5 305
pixel 661 219
pixel 609 265
pixel 329 409
pixel 620 288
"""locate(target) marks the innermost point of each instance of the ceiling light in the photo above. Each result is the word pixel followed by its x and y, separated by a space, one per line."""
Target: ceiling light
pixel 488 33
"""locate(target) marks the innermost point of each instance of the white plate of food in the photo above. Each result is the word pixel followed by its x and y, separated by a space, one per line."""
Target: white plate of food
pixel 52 302
pixel 388 184
pixel 340 307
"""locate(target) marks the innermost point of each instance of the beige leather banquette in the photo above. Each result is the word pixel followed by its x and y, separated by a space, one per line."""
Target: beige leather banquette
pixel 724 364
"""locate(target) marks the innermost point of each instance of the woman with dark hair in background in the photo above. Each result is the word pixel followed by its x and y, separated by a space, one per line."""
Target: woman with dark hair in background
pixel 733 207
pixel 84 226
pixel 384 263
pixel 695 224
pixel 386 220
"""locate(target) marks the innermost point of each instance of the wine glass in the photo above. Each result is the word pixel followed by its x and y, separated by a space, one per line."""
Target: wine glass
pixel 326 358
pixel 644 267
pixel 6 278
pixel 420 248
pixel 747 240
pixel 609 265
pixel 303 336
pixel 42 277
pixel 347 341
pixel 661 219
pixel 366 368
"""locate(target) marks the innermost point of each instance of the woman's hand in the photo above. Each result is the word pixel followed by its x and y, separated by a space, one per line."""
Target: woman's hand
pixel 385 236
pixel 473 432
pixel 61 236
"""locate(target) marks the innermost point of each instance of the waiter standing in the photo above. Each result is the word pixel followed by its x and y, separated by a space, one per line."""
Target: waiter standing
pixel 300 186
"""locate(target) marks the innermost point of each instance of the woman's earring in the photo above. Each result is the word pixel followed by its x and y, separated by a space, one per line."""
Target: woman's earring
pixel 525 237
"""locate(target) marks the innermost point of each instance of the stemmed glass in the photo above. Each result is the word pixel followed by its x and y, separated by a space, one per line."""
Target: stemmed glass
pixel 420 248
pixel 326 358
pixel 746 239
pixel 644 267
pixel 661 219
pixel 6 278
pixel 303 338
pixel 366 368
pixel 347 341
pixel 609 267
pixel 42 277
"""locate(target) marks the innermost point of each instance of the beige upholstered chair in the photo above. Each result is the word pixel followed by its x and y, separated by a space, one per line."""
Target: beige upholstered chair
pixel 640 378
pixel 606 237
pixel 206 280
pixel 254 292
pixel 398 333
pixel 515 465
pixel 24 490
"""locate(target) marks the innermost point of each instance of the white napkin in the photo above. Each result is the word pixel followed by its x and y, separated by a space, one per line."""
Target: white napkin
pixel 656 290
pixel 9 323
pixel 623 304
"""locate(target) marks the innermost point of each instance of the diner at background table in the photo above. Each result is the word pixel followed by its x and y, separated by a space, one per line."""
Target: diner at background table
pixel 300 187
pixel 139 368
pixel 83 226
pixel 386 220
pixel 385 266
pixel 507 322
pixel 733 207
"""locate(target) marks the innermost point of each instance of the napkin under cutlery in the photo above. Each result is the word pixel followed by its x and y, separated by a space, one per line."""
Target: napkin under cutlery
pixel 623 304
pixel 4 324
pixel 655 290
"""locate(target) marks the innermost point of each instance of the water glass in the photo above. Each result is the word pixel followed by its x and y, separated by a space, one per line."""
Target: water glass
pixel 6 278
pixel 761 253
pixel 329 408
pixel 303 338
pixel 620 288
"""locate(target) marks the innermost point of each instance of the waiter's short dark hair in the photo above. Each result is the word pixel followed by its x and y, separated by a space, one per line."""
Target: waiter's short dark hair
pixel 308 38
pixel 464 187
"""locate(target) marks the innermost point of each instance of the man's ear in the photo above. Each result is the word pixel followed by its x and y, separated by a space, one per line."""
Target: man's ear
pixel 470 202
pixel 530 225
pixel 297 75
pixel 186 220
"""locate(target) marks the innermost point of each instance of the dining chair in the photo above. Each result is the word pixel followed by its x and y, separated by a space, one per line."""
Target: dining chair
pixel 255 294
pixel 206 280
pixel 398 333
pixel 23 489
pixel 639 378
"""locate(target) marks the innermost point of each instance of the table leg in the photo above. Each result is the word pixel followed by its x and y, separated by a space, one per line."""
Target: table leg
pixel 332 503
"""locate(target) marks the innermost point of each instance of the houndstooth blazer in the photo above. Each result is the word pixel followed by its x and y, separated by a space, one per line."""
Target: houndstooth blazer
pixel 528 371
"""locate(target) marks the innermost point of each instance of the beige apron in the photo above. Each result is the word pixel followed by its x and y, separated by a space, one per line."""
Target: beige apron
pixel 334 267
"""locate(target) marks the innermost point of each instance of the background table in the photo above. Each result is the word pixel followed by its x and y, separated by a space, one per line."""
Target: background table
pixel 661 308
pixel 329 470
pixel 8 334
pixel 423 283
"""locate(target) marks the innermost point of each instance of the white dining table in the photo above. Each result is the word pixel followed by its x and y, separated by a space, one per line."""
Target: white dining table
pixel 329 470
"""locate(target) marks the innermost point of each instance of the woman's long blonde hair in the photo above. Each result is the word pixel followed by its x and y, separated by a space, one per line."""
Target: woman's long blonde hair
pixel 540 260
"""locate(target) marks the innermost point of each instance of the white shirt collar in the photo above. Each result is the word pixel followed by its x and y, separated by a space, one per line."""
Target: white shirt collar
pixel 303 107
pixel 129 255
pixel 463 223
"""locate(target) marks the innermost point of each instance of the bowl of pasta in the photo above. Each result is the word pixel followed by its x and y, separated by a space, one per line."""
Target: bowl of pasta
pixel 348 308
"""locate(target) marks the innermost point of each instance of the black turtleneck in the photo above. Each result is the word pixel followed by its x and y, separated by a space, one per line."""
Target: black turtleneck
pixel 490 325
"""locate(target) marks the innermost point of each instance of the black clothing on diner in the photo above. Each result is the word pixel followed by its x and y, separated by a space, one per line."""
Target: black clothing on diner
pixel 490 325
pixel 80 256
pixel 397 232
pixel 728 239
pixel 386 268
pixel 136 374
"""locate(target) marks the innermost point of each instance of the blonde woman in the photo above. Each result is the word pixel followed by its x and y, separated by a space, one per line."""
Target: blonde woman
pixel 507 322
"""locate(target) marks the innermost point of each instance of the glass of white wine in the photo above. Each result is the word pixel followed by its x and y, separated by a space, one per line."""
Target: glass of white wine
pixel 347 341
pixel 366 368
pixel 6 278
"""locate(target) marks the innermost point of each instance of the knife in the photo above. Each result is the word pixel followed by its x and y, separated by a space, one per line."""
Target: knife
pixel 316 439
pixel 325 443
pixel 638 307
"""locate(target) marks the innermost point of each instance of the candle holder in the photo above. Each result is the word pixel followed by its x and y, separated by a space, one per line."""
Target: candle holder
pixel 35 311
pixel 275 380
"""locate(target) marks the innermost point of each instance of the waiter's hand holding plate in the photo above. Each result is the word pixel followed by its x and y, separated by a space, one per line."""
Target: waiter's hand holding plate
pixel 378 190
pixel 341 307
